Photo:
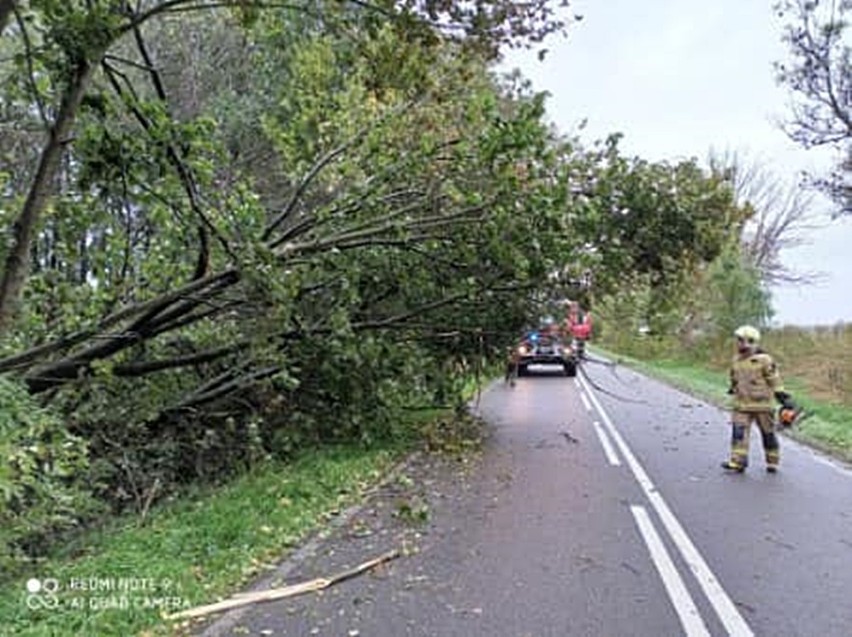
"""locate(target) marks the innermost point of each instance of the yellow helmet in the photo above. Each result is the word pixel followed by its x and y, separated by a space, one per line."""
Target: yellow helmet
pixel 748 333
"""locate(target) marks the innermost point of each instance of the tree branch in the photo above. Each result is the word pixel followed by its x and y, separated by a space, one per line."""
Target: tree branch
pixel 386 224
pixel 148 367
pixel 185 6
pixel 326 160
pixel 148 309
pixel 28 53
pixel 17 259
pixel 303 185
pixel 243 382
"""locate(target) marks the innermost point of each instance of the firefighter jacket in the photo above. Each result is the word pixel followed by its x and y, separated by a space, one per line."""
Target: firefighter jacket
pixel 755 380
pixel 579 324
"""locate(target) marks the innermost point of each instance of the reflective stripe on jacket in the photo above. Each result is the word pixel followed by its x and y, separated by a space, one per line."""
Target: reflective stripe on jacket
pixel 754 381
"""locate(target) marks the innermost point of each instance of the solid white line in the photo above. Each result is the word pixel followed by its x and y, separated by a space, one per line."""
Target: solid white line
pixel 690 618
pixel 585 401
pixel 607 445
pixel 718 598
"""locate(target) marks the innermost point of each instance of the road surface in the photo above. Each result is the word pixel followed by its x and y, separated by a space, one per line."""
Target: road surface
pixel 597 508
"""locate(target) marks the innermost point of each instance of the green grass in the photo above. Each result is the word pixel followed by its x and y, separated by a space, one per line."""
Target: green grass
pixel 197 549
pixel 828 426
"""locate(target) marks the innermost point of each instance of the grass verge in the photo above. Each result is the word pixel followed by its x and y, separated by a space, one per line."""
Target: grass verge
pixel 191 551
pixel 827 427
pixel 121 579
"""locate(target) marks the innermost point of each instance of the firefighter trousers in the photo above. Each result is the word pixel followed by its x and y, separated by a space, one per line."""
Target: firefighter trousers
pixel 741 422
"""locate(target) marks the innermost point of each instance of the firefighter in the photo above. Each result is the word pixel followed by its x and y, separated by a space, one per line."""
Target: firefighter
pixel 755 381
pixel 578 322
pixel 513 357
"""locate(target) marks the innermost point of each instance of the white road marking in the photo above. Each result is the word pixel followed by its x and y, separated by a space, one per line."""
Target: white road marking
pixel 585 401
pixel 611 456
pixel 716 595
pixel 690 618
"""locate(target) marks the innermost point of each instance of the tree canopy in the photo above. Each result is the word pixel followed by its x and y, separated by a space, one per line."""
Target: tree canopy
pixel 235 228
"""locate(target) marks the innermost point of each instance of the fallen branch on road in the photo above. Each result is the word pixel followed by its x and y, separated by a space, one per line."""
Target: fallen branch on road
pixel 603 390
pixel 320 583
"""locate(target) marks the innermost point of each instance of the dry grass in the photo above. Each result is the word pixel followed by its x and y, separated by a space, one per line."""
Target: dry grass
pixel 816 361
pixel 820 359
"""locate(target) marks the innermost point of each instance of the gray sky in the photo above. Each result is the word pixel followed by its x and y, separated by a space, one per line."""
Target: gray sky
pixel 679 77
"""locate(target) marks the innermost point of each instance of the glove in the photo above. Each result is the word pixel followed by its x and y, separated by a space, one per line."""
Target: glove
pixel 786 400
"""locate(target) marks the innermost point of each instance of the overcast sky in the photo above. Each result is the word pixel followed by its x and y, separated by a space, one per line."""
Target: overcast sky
pixel 679 77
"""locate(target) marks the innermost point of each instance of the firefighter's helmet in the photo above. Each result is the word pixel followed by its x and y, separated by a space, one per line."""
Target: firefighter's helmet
pixel 749 334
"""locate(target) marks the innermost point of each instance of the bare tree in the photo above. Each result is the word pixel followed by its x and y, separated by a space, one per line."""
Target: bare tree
pixel 819 77
pixel 782 216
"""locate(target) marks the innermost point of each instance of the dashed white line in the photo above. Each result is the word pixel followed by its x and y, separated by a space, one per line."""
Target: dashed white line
pixel 690 618
pixel 716 595
pixel 609 451
pixel 585 401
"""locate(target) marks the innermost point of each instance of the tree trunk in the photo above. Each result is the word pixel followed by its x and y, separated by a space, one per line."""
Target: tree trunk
pixel 23 231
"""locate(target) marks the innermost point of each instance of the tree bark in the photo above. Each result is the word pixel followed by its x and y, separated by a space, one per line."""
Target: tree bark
pixel 24 228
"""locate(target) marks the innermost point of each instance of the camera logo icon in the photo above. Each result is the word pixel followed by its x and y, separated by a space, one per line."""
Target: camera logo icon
pixel 42 593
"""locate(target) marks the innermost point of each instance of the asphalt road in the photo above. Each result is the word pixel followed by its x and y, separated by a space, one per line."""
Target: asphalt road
pixel 597 508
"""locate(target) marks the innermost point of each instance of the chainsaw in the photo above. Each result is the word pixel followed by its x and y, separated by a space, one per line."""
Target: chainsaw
pixel 788 417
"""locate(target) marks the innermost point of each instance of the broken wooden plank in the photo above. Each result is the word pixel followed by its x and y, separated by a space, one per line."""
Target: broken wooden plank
pixel 253 597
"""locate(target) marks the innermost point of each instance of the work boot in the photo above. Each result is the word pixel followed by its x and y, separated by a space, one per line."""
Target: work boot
pixel 771 468
pixel 733 465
